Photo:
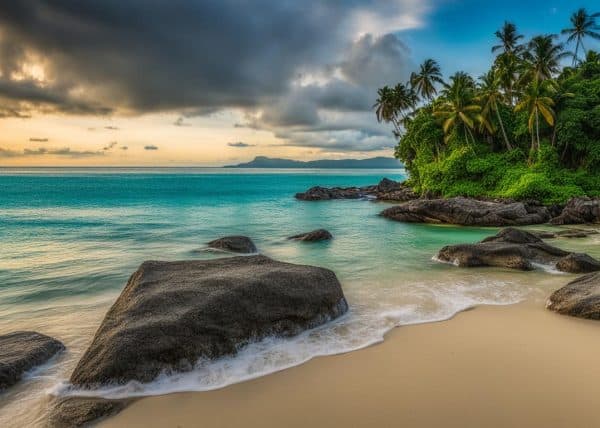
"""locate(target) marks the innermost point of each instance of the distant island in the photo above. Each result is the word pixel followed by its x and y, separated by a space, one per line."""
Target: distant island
pixel 374 163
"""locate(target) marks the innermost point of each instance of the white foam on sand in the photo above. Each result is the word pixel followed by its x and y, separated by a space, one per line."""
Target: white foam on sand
pixel 362 326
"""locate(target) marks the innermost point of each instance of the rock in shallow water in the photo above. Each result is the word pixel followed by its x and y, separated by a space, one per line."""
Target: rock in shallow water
pixel 23 350
pixel 579 298
pixel 171 314
pixel 234 244
pixel 468 212
pixel 516 249
pixel 315 235
pixel 386 189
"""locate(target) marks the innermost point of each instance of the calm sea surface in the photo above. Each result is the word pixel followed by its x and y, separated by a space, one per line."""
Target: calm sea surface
pixel 70 238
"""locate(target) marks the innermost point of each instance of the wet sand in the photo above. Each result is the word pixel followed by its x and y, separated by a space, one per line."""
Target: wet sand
pixel 508 366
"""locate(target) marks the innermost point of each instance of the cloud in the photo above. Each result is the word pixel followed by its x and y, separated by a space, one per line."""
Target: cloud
pixel 111 128
pixel 65 151
pixel 124 148
pixel 289 67
pixel 150 147
pixel 240 144
pixel 180 122
pixel 38 140
pixel 110 146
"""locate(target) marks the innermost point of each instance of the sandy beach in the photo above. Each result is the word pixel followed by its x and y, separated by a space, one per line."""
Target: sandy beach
pixel 493 366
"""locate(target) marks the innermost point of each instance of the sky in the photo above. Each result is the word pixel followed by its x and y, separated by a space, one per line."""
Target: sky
pixel 214 82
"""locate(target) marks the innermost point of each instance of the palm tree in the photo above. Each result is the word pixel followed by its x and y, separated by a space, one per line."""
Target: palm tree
pixel 392 104
pixel 509 39
pixel 508 68
pixel 543 57
pixel 385 109
pixel 490 95
pixel 536 100
pixel 582 25
pixel 458 110
pixel 424 81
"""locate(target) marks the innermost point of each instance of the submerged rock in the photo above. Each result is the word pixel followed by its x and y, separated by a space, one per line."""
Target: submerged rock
pixel 234 244
pixel 579 298
pixel 516 249
pixel 171 314
pixel 23 350
pixel 468 212
pixel 579 211
pixel 387 189
pixel 566 233
pixel 315 235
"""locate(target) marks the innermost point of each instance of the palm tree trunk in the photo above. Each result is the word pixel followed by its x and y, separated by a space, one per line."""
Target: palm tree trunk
pixel 575 56
pixel 537 129
pixel 508 145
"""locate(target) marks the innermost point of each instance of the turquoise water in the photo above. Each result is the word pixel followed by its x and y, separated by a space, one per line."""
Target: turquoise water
pixel 71 238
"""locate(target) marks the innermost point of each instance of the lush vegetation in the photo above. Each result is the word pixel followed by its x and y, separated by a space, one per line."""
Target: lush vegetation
pixel 529 128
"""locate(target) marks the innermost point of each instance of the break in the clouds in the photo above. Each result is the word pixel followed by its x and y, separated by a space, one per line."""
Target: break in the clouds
pixel 289 69
pixel 151 147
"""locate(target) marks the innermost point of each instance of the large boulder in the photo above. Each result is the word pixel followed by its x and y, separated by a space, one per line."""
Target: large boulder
pixel 579 298
pixel 516 249
pixel 468 212
pixel 314 236
pixel 21 351
pixel 579 211
pixel 234 244
pixel 171 314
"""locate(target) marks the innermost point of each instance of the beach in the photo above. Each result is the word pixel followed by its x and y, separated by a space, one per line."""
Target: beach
pixel 492 366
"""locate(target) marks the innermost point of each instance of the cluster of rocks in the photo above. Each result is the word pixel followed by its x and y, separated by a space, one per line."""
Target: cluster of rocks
pixel 244 245
pixel 460 210
pixel 517 249
pixel 386 190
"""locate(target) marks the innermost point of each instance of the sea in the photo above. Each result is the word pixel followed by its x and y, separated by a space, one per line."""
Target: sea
pixel 71 237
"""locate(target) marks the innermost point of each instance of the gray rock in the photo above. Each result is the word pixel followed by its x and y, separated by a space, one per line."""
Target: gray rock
pixel 171 314
pixel 23 350
pixel 579 211
pixel 579 298
pixel 234 244
pixel 71 412
pixel 578 263
pixel 516 249
pixel 315 235
pixel 468 212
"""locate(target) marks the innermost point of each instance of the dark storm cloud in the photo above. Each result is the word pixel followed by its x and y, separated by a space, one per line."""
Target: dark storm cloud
pixel 151 147
pixel 199 57
pixel 240 144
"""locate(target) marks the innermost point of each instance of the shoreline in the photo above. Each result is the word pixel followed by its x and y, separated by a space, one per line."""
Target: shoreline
pixel 494 366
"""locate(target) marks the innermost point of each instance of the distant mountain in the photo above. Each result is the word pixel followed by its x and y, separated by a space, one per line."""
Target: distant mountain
pixel 265 162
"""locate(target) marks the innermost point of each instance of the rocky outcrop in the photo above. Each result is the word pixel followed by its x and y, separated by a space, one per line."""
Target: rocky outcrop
pixel 579 298
pixel 234 244
pixel 171 314
pixel 315 235
pixel 388 190
pixel 516 249
pixel 578 263
pixel 468 212
pixel 23 350
pixel 579 211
